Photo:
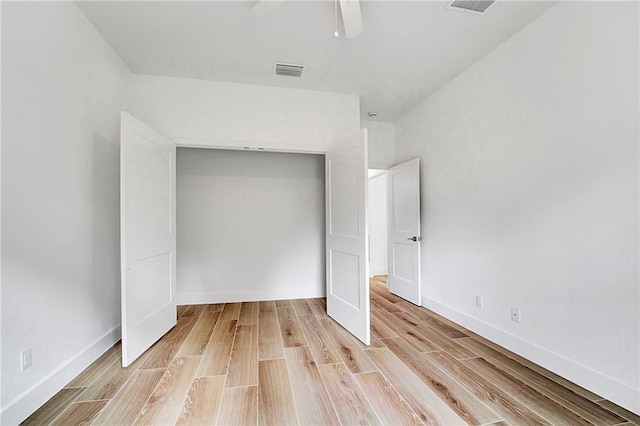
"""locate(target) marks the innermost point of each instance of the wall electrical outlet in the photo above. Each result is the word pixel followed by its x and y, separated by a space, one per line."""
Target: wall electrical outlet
pixel 479 302
pixel 25 359
pixel 515 314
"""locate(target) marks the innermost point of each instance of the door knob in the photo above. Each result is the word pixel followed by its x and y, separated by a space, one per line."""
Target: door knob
pixel 415 239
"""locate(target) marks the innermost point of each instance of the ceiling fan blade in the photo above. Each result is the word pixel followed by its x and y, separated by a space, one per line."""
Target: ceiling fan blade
pixel 351 18
pixel 265 7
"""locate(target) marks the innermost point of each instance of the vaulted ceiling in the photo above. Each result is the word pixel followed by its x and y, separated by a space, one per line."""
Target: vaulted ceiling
pixel 408 49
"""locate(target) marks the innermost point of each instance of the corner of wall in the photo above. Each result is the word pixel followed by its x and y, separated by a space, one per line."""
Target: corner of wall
pixel 382 143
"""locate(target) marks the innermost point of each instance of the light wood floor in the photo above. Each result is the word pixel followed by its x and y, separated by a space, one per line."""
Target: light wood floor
pixel 286 362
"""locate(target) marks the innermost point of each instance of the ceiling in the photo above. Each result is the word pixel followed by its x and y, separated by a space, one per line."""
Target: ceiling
pixel 408 50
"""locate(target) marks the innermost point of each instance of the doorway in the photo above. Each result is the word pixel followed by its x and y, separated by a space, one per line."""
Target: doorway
pixel 394 228
pixel 148 233
pixel 250 225
pixel 377 204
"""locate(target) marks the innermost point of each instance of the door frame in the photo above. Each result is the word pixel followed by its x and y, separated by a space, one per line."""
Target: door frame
pixel 186 143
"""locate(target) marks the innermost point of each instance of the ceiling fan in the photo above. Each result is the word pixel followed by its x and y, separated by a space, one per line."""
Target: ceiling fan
pixel 350 9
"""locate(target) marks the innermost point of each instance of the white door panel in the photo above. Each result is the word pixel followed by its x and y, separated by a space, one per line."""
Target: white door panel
pixel 148 240
pixel 404 230
pixel 347 251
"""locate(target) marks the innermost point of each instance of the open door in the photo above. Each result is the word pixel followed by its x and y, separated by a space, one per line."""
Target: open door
pixel 403 215
pixel 347 268
pixel 147 236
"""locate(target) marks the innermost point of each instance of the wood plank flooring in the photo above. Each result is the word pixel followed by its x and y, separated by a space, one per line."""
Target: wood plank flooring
pixel 287 362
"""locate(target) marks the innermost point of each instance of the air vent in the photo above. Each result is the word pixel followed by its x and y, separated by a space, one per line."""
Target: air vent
pixel 473 6
pixel 289 70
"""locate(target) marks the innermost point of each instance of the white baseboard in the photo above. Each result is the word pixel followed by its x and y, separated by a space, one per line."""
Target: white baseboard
pixel 24 405
pixel 605 386
pixel 378 271
pixel 247 296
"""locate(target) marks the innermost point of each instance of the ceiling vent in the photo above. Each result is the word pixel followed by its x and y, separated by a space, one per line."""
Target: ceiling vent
pixel 289 70
pixel 473 6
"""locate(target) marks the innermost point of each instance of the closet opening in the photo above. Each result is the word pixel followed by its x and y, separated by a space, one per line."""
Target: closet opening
pixel 250 225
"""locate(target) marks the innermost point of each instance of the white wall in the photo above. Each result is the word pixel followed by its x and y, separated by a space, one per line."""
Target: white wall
pixel 530 195
pixel 250 226
pixel 209 113
pixel 382 140
pixel 377 200
pixel 62 90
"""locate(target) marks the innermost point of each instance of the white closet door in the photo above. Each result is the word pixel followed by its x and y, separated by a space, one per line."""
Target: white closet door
pixel 346 204
pixel 148 236
pixel 403 215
